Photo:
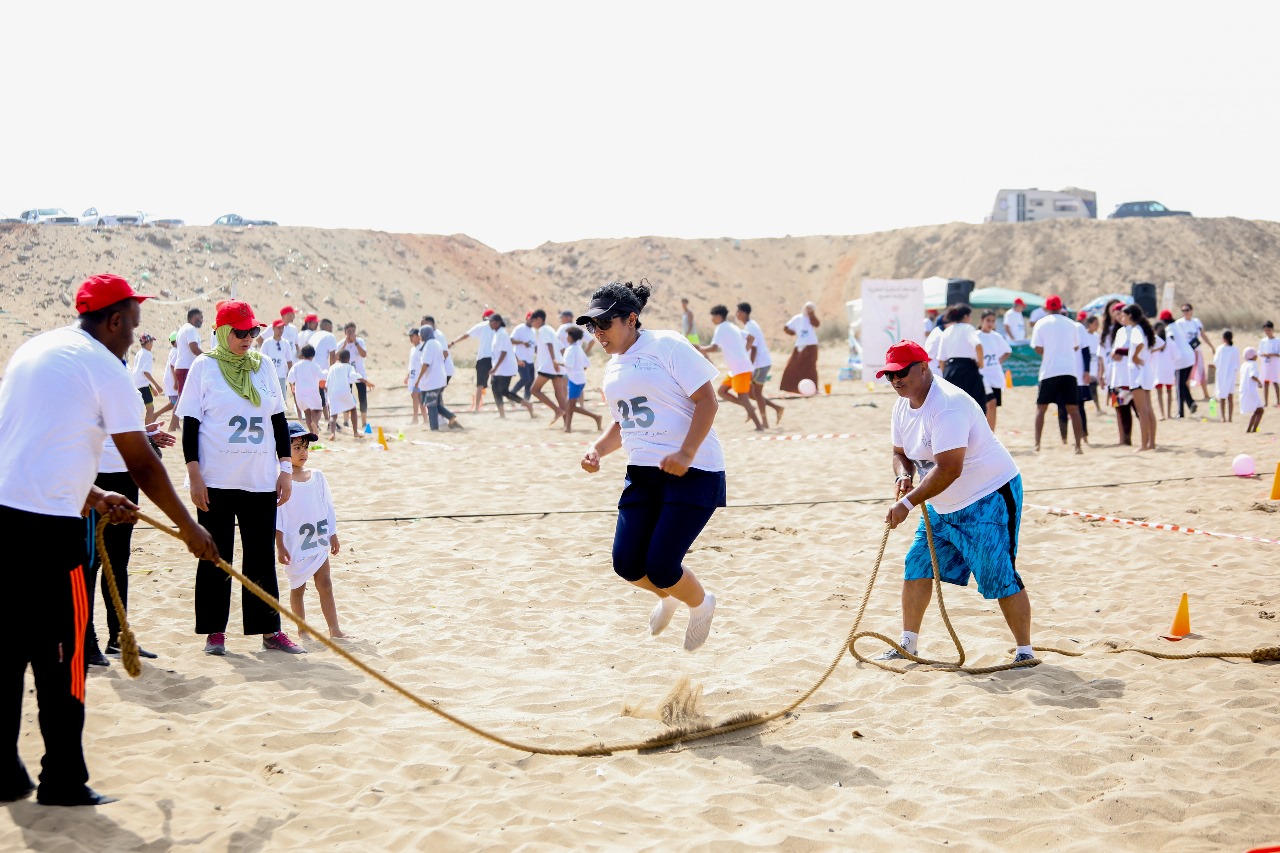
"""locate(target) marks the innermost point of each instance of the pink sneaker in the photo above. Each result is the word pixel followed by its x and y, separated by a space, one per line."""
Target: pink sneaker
pixel 280 642
pixel 216 644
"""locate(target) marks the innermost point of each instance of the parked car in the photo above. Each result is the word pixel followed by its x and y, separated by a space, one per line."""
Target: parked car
pixel 1145 208
pixel 163 222
pixel 48 216
pixel 107 220
pixel 236 219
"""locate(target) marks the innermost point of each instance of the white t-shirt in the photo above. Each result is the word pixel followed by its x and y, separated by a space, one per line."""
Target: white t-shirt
pixel 949 419
pixel 1038 314
pixel 994 345
pixel 281 353
pixel 337 386
pixel 1192 328
pixel 237 444
pixel 1140 375
pixel 502 344
pixel 1227 362
pixel 415 361
pixel 325 344
pixel 544 362
pixel 806 336
pixel 304 337
pixel 448 356
pixel 112 462
pixel 576 364
pixel 63 393
pixel 431 375
pixel 357 360
pixel 1180 352
pixel 187 335
pixel 522 340
pixel 1083 340
pixel 647 389
pixel 1015 325
pixel 142 365
pixel 1269 368
pixel 1057 334
pixel 483 333
pixel 562 336
pixel 307 520
pixel 959 340
pixel 931 348
pixel 762 358
pixel 290 334
pixel 170 382
pixel 733 345
pixel 305 378
pixel 1250 398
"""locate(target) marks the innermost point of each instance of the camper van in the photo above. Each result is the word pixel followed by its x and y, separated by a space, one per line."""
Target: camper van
pixel 1034 205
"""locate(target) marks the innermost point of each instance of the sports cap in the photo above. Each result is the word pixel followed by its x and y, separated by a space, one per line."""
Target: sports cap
pixel 1053 303
pixel 297 430
pixel 288 309
pixel 237 315
pixel 103 290
pixel 902 355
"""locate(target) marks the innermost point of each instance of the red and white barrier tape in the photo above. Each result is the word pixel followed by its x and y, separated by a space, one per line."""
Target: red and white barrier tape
pixel 809 437
pixel 1151 525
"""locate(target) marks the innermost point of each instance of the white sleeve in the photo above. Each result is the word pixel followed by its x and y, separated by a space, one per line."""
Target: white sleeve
pixel 948 432
pixel 688 367
pixel 192 396
pixel 117 401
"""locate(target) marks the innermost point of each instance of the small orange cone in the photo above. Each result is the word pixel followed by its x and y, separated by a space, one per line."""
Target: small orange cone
pixel 1008 379
pixel 382 439
pixel 1181 621
pixel 1275 485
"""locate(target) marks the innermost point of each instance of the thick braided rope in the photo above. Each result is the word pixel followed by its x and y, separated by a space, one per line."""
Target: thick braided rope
pixel 1258 655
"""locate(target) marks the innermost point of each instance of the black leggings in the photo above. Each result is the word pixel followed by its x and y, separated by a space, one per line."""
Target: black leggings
pixel 502 390
pixel 1184 392
pixel 656 527
pixel 117 538
pixel 256 513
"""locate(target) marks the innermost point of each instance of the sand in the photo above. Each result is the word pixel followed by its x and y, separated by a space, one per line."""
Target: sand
pixel 516 623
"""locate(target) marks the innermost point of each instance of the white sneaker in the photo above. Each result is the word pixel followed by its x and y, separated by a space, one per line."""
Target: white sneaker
pixel 699 623
pixel 660 616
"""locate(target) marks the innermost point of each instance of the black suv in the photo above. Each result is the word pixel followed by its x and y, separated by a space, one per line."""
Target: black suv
pixel 1145 208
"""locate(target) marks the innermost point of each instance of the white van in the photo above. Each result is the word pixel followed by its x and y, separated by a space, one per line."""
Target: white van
pixel 1033 205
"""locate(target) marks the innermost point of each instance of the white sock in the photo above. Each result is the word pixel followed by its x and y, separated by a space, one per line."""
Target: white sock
pixel 909 639
pixel 1024 650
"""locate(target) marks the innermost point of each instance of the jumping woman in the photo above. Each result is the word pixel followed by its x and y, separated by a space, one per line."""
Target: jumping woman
pixel 660 393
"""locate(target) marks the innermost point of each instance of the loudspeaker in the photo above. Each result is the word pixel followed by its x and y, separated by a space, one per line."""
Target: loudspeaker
pixel 958 290
pixel 1144 296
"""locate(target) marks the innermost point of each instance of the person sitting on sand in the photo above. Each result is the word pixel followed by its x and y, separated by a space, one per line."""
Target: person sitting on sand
pixel 307 532
pixel 975 493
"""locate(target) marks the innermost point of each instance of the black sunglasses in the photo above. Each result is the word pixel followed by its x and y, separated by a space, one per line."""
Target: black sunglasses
pixel 601 323
pixel 893 375
pixel 246 333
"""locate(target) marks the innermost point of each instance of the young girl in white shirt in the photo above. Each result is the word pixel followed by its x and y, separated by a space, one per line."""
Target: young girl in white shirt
pixel 659 391
pixel 1226 362
pixel 575 368
pixel 307 532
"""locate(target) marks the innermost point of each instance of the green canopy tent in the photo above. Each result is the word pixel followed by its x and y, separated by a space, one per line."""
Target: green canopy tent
pixel 992 297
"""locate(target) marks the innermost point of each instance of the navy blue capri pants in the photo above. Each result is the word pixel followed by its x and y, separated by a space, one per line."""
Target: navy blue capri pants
pixel 659 517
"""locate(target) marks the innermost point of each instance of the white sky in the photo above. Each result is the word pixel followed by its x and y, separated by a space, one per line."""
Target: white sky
pixel 519 123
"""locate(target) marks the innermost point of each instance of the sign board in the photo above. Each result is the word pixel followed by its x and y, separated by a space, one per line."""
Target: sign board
pixel 1024 364
pixel 892 311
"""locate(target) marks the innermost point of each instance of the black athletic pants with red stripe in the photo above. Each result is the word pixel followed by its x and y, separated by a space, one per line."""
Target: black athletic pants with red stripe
pixel 44 610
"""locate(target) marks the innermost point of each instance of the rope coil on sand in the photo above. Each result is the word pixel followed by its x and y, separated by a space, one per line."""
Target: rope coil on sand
pixel 737 722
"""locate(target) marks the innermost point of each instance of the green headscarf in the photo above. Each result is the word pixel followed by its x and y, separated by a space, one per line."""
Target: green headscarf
pixel 238 370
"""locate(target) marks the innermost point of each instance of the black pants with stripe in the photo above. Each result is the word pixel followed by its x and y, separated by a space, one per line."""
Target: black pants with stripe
pixel 117 539
pixel 256 514
pixel 44 609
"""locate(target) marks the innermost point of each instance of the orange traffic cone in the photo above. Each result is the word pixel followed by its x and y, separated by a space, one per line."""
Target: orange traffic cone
pixel 1275 485
pixel 382 439
pixel 1181 621
pixel 1008 379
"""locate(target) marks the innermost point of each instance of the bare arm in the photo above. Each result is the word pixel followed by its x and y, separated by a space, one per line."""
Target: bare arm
pixel 704 415
pixel 608 442
pixel 195 349
pixel 949 465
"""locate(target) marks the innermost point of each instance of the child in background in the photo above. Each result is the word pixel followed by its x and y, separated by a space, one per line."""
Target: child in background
pixel 307 531
pixel 304 381
pixel 1251 402
pixel 338 383
pixel 1227 363
pixel 169 382
pixel 575 366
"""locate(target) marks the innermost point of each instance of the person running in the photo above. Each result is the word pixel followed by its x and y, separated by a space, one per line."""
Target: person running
pixel 660 395
pixel 803 362
pixel 340 379
pixel 1055 340
pixel 1251 402
pixel 1269 362
pixel 549 366
pixel 761 362
pixel 562 333
pixel 729 339
pixel 148 387
pixel 995 351
pixel 687 327
pixel 504 368
pixel 974 490
pixel 482 332
pixel 1142 376
pixel 64 392
pixel 960 353
pixel 307 532
pixel 1226 362
pixel 236 444
pixel 411 375
pixel 575 370
pixel 282 354
pixel 432 381
pixel 355 347
pixel 305 379
pixel 524 343
pixel 170 382
pixel 188 350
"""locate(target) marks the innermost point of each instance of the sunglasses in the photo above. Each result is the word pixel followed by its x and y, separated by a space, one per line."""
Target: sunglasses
pixel 601 323
pixel 246 333
pixel 893 375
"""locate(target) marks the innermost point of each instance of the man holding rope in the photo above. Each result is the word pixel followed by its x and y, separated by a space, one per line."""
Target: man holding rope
pixel 64 392
pixel 975 494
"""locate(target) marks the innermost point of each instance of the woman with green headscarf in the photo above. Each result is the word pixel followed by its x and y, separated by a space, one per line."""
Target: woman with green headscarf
pixel 236 443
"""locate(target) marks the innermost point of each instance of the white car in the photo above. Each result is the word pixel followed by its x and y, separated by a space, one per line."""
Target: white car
pixel 163 221
pixel 48 216
pixel 107 220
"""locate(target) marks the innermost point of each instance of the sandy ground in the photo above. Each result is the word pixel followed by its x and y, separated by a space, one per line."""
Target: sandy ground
pixel 517 623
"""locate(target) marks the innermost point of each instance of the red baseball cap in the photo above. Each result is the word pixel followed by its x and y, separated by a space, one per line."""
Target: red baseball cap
pixel 1166 315
pixel 901 355
pixel 278 324
pixel 311 318
pixel 488 312
pixel 103 290
pixel 1053 303
pixel 237 315
pixel 1019 301
pixel 1082 315
pixel 288 309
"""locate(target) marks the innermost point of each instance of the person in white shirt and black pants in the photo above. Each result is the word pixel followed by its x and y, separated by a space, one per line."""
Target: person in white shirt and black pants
pixel 235 440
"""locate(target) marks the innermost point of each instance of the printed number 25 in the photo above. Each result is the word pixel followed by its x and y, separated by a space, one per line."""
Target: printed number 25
pixel 636 408
pixel 309 532
pixel 252 426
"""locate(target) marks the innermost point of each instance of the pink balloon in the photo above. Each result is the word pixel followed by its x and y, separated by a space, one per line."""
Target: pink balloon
pixel 1242 465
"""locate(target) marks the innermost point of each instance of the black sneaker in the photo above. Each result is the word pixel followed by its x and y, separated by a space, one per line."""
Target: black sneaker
pixel 114 650
pixel 82 796
pixel 94 657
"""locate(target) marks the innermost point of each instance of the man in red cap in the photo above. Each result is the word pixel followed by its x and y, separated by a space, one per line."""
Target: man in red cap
pixel 290 332
pixel 482 332
pixel 282 354
pixel 1056 339
pixel 1015 325
pixel 974 491
pixel 64 393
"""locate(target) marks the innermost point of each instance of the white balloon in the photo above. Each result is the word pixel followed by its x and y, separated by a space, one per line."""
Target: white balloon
pixel 1242 465
pixel 807 387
